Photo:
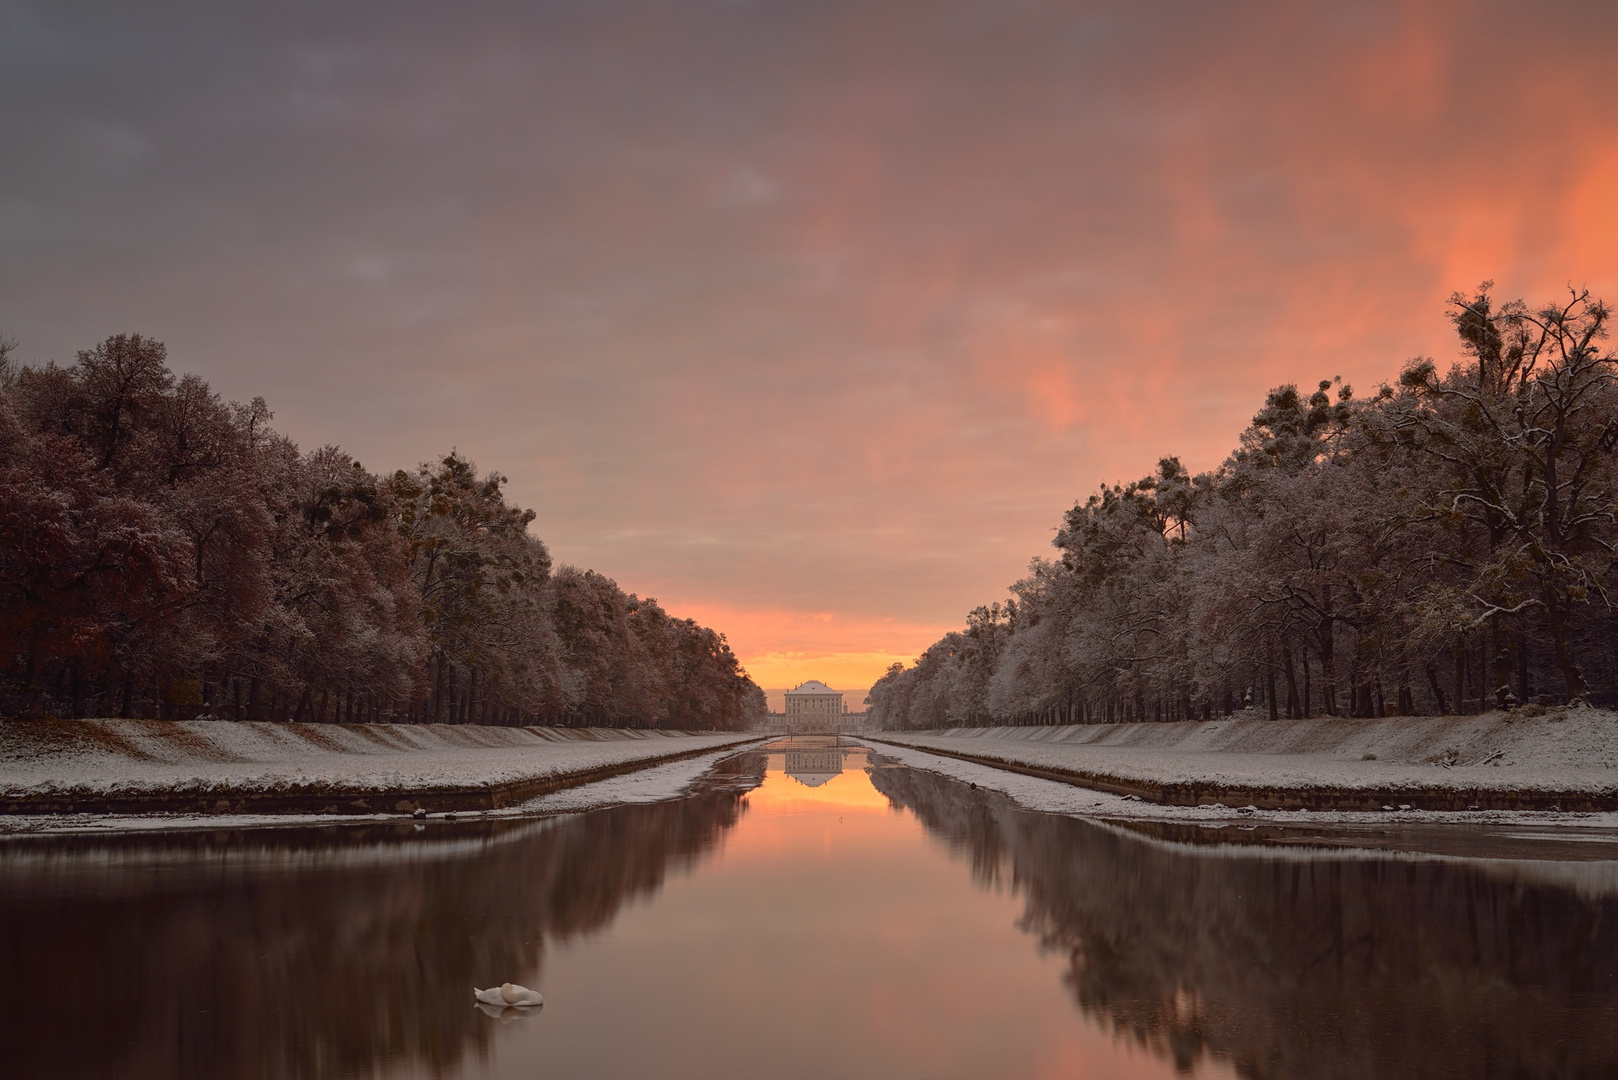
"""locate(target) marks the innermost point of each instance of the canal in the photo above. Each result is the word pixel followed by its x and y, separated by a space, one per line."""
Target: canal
pixel 809 910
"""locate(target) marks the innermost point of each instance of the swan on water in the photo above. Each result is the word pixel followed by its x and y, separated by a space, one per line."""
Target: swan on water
pixel 508 994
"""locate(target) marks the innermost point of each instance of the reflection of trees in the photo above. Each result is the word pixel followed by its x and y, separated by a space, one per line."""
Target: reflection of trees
pixel 310 953
pixel 1332 965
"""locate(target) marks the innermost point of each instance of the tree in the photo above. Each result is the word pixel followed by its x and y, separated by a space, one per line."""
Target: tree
pixel 1463 526
pixel 163 551
pixel 1523 441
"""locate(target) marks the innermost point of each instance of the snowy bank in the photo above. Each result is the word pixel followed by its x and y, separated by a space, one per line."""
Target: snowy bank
pixel 141 766
pixel 1564 759
pixel 1224 829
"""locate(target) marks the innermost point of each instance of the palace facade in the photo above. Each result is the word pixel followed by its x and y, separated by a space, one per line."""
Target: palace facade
pixel 814 703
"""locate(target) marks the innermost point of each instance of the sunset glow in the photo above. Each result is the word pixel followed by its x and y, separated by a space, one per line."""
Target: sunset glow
pixel 836 649
pixel 817 538
pixel 807 320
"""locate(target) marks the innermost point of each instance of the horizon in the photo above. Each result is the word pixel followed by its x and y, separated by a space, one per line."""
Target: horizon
pixel 854 698
pixel 809 321
pixel 981 539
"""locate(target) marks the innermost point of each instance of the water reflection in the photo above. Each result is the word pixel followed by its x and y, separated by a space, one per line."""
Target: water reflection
pixel 1294 964
pixel 830 915
pixel 321 952
pixel 815 761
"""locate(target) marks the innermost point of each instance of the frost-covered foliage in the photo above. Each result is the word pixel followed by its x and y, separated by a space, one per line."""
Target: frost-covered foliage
pixel 1447 545
pixel 165 552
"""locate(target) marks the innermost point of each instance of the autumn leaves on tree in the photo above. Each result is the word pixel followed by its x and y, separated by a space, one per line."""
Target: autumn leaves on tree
pixel 163 552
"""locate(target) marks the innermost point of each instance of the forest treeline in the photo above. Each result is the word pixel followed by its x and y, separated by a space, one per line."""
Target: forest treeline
pixel 1445 545
pixel 166 553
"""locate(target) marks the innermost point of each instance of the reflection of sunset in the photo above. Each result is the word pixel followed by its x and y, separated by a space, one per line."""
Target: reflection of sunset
pixel 850 792
pixel 830 920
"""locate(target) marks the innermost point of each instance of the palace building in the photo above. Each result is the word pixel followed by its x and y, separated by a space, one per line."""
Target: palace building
pixel 814 703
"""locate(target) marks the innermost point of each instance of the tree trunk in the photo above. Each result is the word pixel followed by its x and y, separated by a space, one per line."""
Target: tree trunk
pixel 1294 707
pixel 1438 690
pixel 75 689
pixel 438 690
pixel 1460 676
pixel 1269 686
pixel 1578 690
pixel 1328 655
pixel 1523 687
pixel 1356 690
pixel 1500 666
pixel 1308 691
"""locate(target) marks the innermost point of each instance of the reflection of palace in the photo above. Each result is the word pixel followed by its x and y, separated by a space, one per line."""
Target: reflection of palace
pixel 813 766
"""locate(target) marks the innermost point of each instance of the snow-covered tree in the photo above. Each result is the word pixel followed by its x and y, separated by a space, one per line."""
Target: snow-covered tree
pixel 1448 544
pixel 163 552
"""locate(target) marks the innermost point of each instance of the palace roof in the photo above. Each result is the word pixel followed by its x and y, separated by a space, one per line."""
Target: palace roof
pixel 814 686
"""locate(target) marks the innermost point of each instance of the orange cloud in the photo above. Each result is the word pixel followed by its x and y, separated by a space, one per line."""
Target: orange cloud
pixel 1589 226
pixel 808 320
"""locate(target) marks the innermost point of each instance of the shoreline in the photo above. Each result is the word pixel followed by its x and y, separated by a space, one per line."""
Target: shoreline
pixel 1303 797
pixel 1562 761
pixel 110 768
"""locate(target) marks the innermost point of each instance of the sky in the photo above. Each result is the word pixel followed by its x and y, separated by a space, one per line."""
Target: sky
pixel 808 319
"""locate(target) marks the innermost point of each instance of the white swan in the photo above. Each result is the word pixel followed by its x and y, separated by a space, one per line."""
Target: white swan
pixel 508 994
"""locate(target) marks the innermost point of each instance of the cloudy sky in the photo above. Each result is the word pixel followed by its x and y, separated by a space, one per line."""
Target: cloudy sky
pixel 807 319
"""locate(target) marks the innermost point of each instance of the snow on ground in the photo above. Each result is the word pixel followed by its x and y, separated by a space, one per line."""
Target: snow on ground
pixel 130 757
pixel 654 784
pixel 1057 797
pixel 1559 750
pixel 651 784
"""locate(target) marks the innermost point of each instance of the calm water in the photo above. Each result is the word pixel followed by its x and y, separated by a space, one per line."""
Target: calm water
pixel 806 914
